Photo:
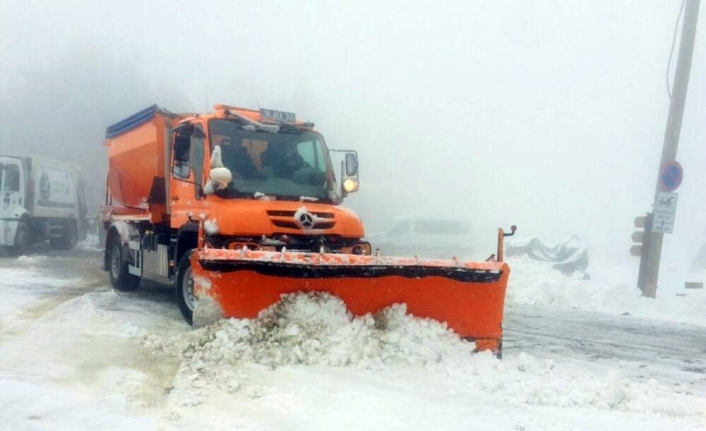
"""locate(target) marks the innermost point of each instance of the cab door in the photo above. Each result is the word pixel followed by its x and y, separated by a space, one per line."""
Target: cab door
pixel 187 174
pixel 12 187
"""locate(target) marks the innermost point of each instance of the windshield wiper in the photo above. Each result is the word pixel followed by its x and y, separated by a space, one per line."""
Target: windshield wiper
pixel 263 196
pixel 234 193
pixel 298 198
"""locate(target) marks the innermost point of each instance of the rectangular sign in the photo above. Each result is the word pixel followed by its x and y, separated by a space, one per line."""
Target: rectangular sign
pixel 666 202
pixel 662 222
pixel 278 116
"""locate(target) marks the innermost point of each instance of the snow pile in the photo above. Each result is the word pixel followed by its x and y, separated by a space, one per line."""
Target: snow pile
pixel 317 329
pixel 91 243
pixel 302 329
pixel 536 283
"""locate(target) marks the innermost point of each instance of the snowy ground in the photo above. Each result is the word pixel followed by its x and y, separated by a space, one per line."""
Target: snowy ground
pixel 612 292
pixel 77 355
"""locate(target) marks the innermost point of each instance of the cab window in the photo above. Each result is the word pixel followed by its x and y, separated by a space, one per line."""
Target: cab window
pixel 12 178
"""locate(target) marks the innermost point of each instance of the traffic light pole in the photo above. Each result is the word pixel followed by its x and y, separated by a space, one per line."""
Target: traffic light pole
pixel 671 138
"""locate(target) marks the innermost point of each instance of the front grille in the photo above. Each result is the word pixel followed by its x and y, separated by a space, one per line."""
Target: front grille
pixel 285 224
pixel 292 225
pixel 285 213
pixel 285 219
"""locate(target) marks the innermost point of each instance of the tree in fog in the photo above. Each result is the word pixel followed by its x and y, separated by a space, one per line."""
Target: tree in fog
pixel 61 109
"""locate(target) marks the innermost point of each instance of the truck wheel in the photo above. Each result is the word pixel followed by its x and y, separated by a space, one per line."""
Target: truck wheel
pixel 120 277
pixel 68 240
pixel 185 288
pixel 23 240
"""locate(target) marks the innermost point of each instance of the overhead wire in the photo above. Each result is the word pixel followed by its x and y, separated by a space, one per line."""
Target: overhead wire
pixel 671 51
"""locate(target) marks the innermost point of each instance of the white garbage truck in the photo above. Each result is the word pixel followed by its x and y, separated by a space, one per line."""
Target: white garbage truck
pixel 42 199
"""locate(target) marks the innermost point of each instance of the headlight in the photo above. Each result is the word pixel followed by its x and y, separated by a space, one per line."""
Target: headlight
pixel 350 185
pixel 362 248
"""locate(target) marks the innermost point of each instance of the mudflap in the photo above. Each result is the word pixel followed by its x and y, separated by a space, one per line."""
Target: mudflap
pixel 468 297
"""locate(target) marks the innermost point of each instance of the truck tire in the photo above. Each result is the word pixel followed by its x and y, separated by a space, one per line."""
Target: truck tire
pixel 23 240
pixel 120 277
pixel 185 288
pixel 68 240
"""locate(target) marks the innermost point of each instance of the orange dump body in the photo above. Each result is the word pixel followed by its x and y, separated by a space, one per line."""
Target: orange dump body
pixel 136 162
pixel 469 297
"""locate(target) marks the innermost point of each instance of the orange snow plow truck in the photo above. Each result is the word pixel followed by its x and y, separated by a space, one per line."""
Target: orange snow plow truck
pixel 237 207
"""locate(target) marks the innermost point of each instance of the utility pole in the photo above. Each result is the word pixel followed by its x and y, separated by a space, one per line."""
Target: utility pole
pixel 671 144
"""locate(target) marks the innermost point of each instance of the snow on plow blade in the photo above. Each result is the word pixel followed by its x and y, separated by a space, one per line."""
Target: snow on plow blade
pixel 469 297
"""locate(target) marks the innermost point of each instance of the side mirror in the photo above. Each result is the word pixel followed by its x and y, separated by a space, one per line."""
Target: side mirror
pixel 351 164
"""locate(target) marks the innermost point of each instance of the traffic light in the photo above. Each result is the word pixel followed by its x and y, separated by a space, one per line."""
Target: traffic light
pixel 641 240
pixel 638 237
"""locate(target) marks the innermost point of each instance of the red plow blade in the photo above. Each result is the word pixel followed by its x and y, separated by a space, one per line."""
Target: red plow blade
pixel 469 297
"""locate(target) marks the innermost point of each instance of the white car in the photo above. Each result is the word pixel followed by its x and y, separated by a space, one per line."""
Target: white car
pixel 425 237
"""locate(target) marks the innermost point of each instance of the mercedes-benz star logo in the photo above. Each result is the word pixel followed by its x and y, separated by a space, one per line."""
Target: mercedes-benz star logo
pixel 306 220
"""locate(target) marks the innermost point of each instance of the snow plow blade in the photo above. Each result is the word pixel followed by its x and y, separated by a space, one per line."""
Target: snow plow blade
pixel 469 297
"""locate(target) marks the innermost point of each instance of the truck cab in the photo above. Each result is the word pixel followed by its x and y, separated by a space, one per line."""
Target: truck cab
pixel 255 179
pixel 282 191
pixel 13 191
pixel 42 199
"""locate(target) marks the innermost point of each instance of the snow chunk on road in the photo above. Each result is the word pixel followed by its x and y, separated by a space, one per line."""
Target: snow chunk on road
pixel 91 243
pixel 31 260
pixel 317 329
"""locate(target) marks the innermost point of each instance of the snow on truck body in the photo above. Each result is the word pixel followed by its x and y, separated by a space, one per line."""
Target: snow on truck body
pixel 43 199
pixel 241 206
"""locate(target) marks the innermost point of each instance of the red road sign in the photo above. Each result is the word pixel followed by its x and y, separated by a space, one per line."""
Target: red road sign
pixel 636 250
pixel 671 176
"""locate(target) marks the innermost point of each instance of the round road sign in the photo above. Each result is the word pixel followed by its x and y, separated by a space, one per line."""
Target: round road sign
pixel 670 176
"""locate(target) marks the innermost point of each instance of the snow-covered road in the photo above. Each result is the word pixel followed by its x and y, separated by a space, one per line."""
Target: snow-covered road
pixel 77 355
pixel 641 349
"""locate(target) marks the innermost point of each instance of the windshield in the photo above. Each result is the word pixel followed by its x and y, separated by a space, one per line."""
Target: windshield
pixel 288 164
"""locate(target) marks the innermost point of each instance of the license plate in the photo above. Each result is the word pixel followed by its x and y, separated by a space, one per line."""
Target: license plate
pixel 278 116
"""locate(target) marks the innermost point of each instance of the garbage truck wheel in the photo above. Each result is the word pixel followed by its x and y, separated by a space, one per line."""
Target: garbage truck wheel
pixel 120 277
pixel 67 240
pixel 23 240
pixel 185 289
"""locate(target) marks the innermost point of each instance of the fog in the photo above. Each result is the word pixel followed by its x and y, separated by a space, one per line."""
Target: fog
pixel 549 115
